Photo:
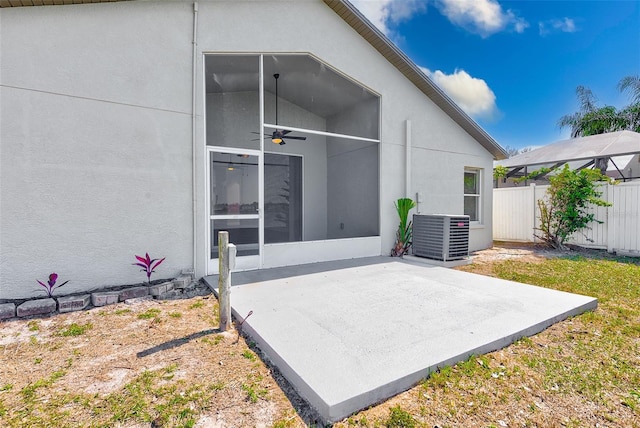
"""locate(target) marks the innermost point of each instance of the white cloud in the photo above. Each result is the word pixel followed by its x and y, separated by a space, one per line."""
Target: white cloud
pixel 520 25
pixel 564 25
pixel 483 17
pixel 384 14
pixel 473 95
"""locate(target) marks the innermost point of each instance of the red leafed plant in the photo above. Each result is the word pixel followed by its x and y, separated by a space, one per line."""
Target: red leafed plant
pixel 148 264
pixel 51 284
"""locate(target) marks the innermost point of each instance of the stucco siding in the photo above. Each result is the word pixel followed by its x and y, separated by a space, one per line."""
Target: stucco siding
pixel 96 140
pixel 126 52
pixel 95 144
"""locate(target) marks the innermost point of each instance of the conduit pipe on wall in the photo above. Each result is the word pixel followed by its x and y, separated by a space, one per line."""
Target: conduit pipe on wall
pixel 407 178
pixel 194 85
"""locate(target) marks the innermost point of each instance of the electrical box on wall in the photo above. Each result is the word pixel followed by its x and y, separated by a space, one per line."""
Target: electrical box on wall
pixel 418 201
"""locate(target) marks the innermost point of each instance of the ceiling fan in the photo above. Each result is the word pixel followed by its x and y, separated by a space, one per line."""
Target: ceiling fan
pixel 278 136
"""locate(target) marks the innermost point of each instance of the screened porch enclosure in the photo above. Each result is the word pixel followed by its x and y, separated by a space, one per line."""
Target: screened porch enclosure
pixel 302 166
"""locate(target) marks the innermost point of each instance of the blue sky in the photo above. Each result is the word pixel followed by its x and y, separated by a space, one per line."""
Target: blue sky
pixel 514 65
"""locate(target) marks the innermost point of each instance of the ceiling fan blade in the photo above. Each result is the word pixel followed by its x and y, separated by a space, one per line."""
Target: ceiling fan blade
pixel 265 136
pixel 284 132
pixel 293 137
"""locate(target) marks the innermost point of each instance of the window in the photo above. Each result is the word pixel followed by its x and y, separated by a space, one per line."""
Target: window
pixel 472 200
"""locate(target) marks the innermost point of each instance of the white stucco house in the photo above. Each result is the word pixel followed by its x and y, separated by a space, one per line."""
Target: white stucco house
pixel 148 126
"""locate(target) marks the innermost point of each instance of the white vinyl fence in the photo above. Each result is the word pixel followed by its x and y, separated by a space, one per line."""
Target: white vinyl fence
pixel 516 217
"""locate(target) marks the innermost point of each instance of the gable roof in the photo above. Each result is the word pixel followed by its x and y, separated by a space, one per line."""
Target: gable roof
pixel 583 148
pixel 352 16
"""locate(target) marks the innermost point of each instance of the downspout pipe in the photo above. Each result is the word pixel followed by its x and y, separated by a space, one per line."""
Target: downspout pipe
pixel 194 86
pixel 407 178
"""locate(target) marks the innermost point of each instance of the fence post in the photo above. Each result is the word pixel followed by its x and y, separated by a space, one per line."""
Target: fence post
pixel 611 227
pixel 224 281
pixel 534 206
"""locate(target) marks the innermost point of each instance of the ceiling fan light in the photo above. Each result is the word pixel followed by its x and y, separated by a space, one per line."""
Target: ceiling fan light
pixel 276 140
pixel 230 167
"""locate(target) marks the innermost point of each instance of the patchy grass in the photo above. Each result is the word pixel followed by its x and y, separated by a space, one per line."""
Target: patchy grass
pixel 581 372
pixel 196 305
pixel 128 372
pixel 149 314
pixel 609 280
pixel 254 389
pixel 216 339
pixel 33 325
pixel 151 397
pixel 29 391
pixel 75 329
pixel 248 355
pixel 399 418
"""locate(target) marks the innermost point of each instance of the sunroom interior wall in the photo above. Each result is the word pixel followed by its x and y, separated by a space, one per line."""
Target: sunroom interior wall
pixel 352 189
pixel 353 182
pixel 290 113
pixel 233 118
pixel 95 152
pixel 229 118
pixel 361 120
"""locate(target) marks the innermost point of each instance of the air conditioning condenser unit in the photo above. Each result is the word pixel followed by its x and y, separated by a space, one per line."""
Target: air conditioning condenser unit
pixel 441 236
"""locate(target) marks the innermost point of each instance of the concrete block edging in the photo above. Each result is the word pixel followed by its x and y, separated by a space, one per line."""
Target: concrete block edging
pixel 161 289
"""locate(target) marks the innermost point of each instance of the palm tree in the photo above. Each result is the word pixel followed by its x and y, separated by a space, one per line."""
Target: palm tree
pixel 592 120
pixel 632 84
pixel 631 113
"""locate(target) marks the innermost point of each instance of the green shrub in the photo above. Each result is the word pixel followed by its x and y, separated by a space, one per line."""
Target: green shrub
pixel 569 198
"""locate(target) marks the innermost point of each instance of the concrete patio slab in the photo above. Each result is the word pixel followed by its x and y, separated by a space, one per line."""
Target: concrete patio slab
pixel 350 334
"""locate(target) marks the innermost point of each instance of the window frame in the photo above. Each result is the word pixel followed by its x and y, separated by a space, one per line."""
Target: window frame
pixel 479 199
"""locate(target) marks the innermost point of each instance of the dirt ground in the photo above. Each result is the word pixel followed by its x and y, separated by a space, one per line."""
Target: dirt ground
pixel 179 337
pixel 511 251
pixel 124 341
